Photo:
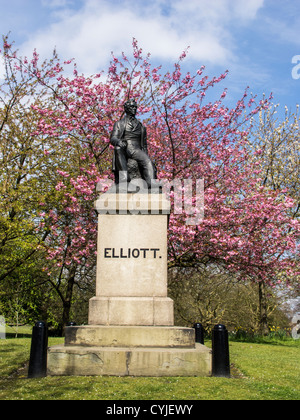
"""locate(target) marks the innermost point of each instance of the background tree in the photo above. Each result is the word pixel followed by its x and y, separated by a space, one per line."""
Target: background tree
pixel 212 297
pixel 34 219
pixel 275 147
pixel 277 143
pixel 22 185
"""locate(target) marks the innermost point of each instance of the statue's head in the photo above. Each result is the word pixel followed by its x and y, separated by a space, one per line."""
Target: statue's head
pixel 130 107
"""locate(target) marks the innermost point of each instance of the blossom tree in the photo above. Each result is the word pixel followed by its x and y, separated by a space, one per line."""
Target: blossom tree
pixel 275 146
pixel 246 230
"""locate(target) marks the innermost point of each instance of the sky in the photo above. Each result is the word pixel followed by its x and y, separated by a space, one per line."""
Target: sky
pixel 256 40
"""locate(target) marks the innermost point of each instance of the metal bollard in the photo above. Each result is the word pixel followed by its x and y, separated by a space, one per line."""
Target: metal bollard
pixel 38 352
pixel 199 333
pixel 220 352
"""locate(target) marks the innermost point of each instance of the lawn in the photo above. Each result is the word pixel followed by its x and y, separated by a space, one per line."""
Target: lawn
pixel 260 371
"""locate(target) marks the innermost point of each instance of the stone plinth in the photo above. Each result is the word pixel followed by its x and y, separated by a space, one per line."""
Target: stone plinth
pixel 131 282
pixel 133 336
pixel 131 328
pixel 131 311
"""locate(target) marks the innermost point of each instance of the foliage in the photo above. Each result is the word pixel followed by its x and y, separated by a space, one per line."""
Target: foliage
pixel 211 297
pixel 276 141
pixel 251 335
pixel 33 211
pixel 21 174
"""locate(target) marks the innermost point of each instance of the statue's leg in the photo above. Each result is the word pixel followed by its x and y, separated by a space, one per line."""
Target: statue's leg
pixel 121 164
pixel 146 166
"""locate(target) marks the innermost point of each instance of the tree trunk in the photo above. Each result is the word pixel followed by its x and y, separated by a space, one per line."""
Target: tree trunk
pixel 67 302
pixel 263 315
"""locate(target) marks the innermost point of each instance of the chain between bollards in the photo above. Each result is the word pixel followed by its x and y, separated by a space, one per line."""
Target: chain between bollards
pixel 220 352
pixel 38 352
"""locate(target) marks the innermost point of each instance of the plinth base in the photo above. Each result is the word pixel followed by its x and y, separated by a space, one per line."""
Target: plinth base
pixel 131 311
pixel 134 351
pixel 118 361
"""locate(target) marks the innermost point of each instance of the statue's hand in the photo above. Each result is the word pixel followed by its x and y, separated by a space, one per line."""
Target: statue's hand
pixel 122 144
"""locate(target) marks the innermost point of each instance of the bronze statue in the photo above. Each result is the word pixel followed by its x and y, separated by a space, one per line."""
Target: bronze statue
pixel 129 138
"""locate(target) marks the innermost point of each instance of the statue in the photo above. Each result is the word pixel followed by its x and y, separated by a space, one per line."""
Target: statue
pixel 129 138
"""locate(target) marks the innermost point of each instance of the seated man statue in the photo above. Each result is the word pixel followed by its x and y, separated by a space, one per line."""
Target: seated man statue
pixel 129 139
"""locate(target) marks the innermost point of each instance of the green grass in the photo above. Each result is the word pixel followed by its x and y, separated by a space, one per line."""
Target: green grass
pixel 261 371
pixel 18 331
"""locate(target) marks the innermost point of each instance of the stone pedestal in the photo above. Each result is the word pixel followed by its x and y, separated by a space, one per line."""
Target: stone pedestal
pixel 131 327
pixel 131 282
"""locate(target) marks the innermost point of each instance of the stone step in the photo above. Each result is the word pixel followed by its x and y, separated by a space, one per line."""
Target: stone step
pixel 129 336
pixel 118 361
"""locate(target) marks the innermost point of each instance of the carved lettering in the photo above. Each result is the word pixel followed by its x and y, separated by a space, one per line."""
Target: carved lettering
pixel 135 253
pixel 106 252
pixel 132 253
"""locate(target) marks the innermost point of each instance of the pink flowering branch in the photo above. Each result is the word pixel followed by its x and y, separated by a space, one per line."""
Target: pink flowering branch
pixel 246 230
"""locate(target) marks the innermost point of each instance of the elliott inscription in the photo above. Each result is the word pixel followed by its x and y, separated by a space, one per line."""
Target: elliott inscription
pixel 131 253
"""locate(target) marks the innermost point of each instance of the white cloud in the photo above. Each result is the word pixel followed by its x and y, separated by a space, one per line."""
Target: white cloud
pixel 163 27
pixel 247 10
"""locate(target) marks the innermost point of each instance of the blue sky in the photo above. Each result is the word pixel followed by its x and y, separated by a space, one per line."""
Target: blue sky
pixel 255 40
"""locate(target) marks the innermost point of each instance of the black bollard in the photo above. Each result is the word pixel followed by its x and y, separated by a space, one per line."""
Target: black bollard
pixel 199 333
pixel 38 352
pixel 220 352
